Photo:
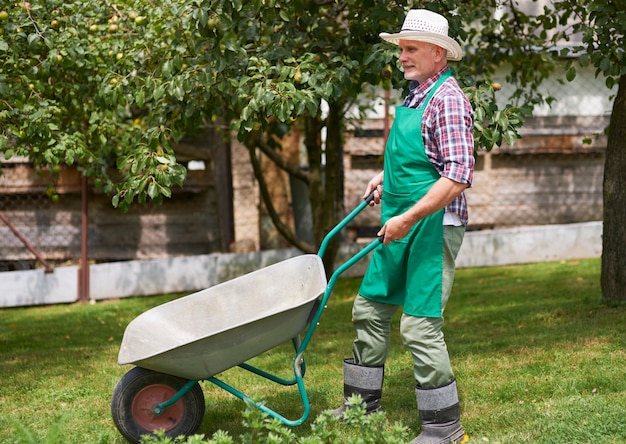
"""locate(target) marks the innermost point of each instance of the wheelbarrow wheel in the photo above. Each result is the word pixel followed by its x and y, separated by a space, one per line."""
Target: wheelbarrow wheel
pixel 140 390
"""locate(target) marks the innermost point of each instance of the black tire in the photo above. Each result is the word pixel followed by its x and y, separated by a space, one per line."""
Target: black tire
pixel 139 390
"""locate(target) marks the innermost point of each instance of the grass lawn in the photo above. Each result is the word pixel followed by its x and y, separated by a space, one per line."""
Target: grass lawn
pixel 538 360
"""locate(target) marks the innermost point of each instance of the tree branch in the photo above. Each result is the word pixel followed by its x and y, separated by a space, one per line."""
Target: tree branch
pixel 282 228
pixel 291 169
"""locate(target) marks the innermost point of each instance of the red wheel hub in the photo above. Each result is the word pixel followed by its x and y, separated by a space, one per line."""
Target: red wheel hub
pixel 150 396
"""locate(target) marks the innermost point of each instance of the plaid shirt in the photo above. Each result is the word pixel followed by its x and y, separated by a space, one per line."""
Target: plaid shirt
pixel 448 133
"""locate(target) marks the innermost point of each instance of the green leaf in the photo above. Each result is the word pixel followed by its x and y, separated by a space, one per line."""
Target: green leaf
pixel 311 107
pixel 165 191
pixel 610 82
pixel 510 137
pixel 166 68
pixel 142 187
pixel 605 64
pixel 202 16
pixel 121 162
pixel 159 91
pixel 152 189
pixel 583 60
pixel 284 15
pixel 140 98
pixel 479 114
pixel 245 113
pixel 33 38
pixel 178 93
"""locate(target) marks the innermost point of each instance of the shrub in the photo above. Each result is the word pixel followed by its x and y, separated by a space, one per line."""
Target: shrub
pixel 326 429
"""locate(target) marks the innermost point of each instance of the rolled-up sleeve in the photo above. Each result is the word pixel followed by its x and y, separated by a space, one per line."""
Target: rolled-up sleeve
pixel 454 136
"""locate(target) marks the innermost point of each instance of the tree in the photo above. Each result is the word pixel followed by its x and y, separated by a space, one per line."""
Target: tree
pixel 603 25
pixel 109 87
pixel 588 33
pixel 112 86
pixel 60 68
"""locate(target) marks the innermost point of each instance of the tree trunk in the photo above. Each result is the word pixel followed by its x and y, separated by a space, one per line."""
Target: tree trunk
pixel 333 183
pixel 313 144
pixel 326 179
pixel 613 275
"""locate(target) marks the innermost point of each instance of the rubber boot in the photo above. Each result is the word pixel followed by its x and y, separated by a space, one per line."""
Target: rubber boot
pixel 364 381
pixel 440 414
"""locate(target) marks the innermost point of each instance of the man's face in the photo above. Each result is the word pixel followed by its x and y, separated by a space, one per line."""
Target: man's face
pixel 419 60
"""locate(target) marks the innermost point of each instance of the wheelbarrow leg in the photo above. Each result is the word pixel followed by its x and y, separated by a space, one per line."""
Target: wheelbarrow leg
pixel 298 380
pixel 159 408
pixel 298 364
pixel 297 343
pixel 299 360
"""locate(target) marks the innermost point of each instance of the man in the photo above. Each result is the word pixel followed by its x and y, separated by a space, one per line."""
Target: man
pixel 428 163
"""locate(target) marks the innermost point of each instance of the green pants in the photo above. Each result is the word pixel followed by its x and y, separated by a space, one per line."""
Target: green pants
pixel 421 336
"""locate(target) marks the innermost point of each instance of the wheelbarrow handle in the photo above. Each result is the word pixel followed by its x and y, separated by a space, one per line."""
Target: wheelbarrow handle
pixel 370 198
pixel 345 222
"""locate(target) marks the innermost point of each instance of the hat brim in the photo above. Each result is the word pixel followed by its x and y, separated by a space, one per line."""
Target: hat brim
pixel 454 51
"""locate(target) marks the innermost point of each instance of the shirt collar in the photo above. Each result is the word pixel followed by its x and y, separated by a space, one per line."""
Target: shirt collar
pixel 422 88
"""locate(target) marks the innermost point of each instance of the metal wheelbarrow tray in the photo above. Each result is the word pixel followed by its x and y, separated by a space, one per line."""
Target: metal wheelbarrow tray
pixel 205 333
pixel 196 337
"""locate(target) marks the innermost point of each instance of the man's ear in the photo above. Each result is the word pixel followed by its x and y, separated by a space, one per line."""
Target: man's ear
pixel 440 53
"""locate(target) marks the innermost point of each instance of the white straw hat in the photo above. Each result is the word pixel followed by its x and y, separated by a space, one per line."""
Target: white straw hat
pixel 426 26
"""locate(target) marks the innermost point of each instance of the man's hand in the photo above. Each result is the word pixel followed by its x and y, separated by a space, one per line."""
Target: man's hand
pixel 375 185
pixel 395 229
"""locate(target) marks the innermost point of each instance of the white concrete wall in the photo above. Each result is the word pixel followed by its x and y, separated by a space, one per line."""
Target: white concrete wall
pixel 35 287
pixel 531 244
pixel 192 273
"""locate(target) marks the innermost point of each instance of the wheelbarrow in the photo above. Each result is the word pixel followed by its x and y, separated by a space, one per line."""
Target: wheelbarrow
pixel 177 344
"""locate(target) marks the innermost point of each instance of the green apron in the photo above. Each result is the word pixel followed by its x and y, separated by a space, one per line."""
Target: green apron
pixel 408 272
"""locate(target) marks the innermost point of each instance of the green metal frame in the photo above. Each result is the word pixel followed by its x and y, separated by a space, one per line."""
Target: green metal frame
pixel 299 366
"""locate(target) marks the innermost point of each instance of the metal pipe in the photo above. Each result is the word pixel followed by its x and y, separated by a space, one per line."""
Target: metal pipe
pixel 83 277
pixel 47 267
